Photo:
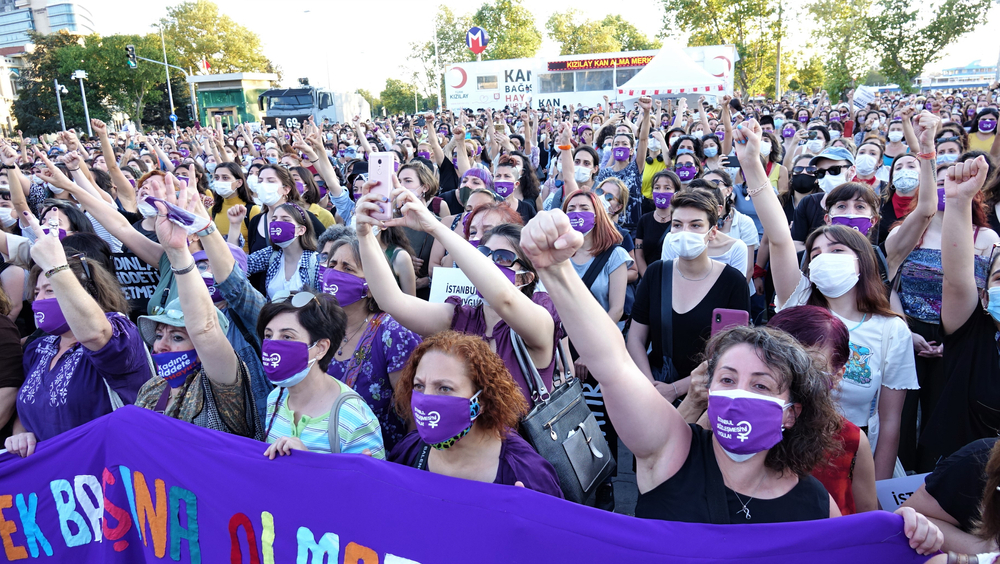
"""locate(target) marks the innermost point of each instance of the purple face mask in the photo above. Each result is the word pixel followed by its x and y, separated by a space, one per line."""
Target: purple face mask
pixel 662 199
pixel 179 216
pixel 940 199
pixel 721 135
pixel 686 172
pixel 347 288
pixel 301 187
pixel 927 106
pixel 286 363
pixel 803 119
pixel 443 420
pixel 175 367
pixel 621 153
pixel 788 132
pixel 281 232
pixel 132 182
pixel 582 221
pixel 503 188
pixel 212 289
pixel 861 223
pixel 184 152
pixel 987 125
pixel 49 317
pixel 423 154
pixel 474 243
pixel 745 423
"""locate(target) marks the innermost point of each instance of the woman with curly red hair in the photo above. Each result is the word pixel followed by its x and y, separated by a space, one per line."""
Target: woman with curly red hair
pixel 466 408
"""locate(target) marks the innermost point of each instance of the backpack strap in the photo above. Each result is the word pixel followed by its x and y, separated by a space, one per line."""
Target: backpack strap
pixel 333 424
pixel 666 308
pixel 597 266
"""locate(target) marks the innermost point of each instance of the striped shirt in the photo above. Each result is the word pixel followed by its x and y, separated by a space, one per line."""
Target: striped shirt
pixel 359 429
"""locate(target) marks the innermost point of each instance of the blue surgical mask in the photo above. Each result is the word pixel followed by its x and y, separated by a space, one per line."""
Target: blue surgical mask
pixel 993 308
pixel 710 152
pixel 947 159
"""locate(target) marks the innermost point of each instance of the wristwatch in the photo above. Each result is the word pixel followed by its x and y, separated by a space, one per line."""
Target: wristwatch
pixel 206 231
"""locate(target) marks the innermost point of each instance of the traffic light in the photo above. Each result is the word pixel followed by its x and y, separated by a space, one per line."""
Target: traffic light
pixel 132 61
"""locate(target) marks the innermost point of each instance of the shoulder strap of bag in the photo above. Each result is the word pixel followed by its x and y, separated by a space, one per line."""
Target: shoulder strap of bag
pixel 528 370
pixel 116 400
pixel 247 336
pixel 333 423
pixel 666 308
pixel 718 508
pixel 596 267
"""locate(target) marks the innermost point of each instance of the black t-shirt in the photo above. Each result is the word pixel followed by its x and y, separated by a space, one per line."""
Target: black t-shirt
pixel 957 482
pixel 132 217
pixel 448 179
pixel 627 242
pixel 969 407
pixel 651 232
pixel 690 330
pixel 888 219
pixel 808 216
pixel 527 212
pixel 137 225
pixel 686 495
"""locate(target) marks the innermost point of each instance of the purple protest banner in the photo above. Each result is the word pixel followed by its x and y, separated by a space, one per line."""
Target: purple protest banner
pixel 135 486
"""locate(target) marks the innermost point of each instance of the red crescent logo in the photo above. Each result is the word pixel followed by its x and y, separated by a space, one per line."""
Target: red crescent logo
pixel 729 65
pixel 465 77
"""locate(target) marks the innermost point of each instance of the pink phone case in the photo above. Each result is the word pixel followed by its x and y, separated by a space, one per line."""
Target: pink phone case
pixel 380 168
pixel 723 318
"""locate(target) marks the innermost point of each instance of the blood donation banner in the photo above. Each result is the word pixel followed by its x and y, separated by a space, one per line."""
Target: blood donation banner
pixel 135 486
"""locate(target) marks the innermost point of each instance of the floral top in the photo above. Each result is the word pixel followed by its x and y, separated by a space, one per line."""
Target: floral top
pixel 385 347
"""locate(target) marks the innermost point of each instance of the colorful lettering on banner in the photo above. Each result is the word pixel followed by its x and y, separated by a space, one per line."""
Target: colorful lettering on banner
pixel 114 490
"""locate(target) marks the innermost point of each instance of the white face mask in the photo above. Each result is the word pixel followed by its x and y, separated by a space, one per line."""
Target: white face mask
pixel 814 146
pixel 240 143
pixel 834 274
pixel 765 148
pixel 582 173
pixel 223 189
pixel 895 136
pixel 654 145
pixel 866 164
pixel 7 217
pixel 834 135
pixel 906 181
pixel 269 192
pixel 829 182
pixel 685 244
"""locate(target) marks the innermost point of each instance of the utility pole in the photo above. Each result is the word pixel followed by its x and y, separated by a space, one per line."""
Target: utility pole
pixel 83 94
pixel 60 89
pixel 437 68
pixel 170 92
pixel 777 68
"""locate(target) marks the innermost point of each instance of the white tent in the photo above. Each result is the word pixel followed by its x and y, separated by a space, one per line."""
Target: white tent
pixel 671 74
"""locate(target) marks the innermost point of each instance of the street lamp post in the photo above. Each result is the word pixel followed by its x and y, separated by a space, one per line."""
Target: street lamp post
pixel 80 75
pixel 60 89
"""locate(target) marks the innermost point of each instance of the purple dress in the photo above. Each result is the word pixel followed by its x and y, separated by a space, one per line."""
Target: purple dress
pixel 471 321
pixel 518 463
pixel 385 347
pixel 53 401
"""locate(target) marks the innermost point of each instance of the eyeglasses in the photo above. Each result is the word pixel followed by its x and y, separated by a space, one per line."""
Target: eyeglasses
pixel 716 181
pixel 941 140
pixel 832 171
pixel 86 267
pixel 324 258
pixel 501 257
pixel 299 299
pixel 203 265
pixel 803 170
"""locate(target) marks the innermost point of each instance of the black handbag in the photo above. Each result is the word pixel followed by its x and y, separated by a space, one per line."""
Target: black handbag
pixel 564 431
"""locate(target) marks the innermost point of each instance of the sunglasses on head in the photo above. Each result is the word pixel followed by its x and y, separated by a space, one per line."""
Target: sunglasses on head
pixel 803 170
pixel 299 299
pixel 501 257
pixel 833 171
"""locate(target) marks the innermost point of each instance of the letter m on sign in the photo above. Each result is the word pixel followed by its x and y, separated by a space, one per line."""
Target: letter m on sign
pixel 312 552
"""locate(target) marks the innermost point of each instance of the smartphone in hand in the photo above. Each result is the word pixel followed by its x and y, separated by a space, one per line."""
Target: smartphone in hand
pixel 723 319
pixel 380 168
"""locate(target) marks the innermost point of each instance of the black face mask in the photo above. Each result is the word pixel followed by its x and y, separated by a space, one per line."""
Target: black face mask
pixel 803 183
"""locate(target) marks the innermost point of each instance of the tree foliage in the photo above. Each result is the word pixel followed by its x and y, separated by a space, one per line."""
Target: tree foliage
pixel 836 30
pixel 511 28
pixel 199 32
pixel 810 75
pixel 399 97
pixel 751 25
pixel 905 44
pixel 373 101
pixel 608 35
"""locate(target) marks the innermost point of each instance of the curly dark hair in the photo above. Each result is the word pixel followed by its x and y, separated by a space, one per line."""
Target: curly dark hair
pixel 809 441
pixel 501 398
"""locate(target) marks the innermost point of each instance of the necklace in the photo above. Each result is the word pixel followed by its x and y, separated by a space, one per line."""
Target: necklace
pixel 711 267
pixel 745 509
pixel 858 326
pixel 340 351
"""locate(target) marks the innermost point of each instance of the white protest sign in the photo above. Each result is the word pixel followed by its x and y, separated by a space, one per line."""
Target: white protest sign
pixel 864 95
pixel 894 491
pixel 447 282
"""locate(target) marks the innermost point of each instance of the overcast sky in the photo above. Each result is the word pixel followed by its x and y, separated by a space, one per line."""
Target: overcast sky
pixel 358 44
